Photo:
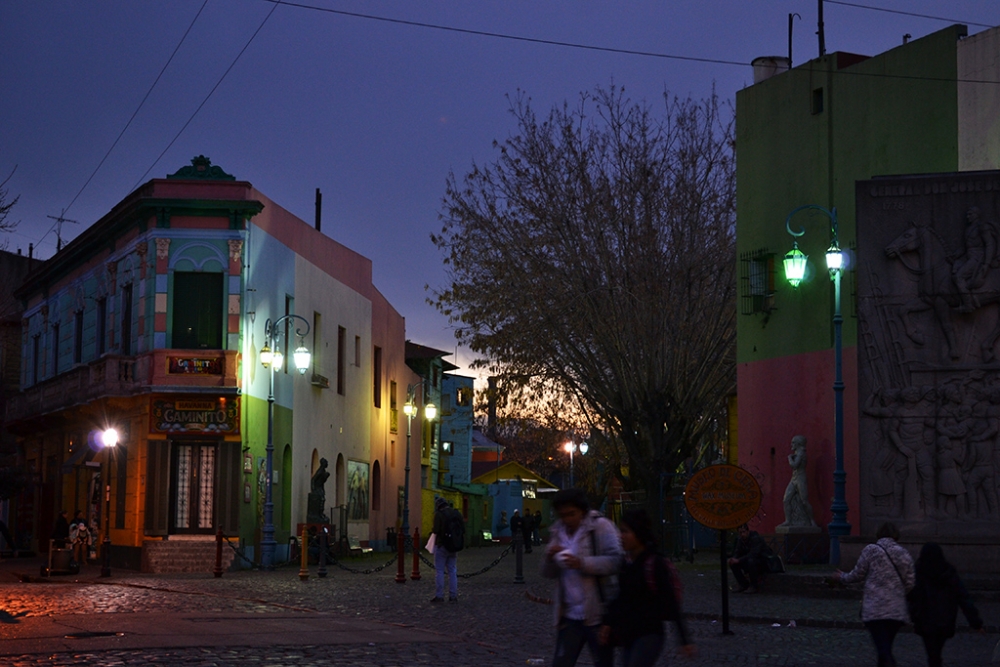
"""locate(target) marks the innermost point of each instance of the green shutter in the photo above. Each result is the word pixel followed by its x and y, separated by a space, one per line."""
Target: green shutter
pixel 228 488
pixel 157 487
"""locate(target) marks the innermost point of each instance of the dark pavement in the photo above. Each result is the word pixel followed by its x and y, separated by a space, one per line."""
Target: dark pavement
pixel 273 618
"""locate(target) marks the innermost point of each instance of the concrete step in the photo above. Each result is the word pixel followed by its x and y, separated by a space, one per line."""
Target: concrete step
pixel 177 556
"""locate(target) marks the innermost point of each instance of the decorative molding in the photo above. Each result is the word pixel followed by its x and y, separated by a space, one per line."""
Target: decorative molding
pixel 235 249
pixel 201 168
pixel 162 248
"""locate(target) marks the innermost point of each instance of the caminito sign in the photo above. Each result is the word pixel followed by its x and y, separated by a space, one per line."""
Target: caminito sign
pixel 722 496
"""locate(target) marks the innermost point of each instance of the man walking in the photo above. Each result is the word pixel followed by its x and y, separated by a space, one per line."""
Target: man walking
pixel 449 538
pixel 584 553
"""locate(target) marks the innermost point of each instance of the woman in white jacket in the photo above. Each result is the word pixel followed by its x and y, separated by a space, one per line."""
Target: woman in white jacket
pixel 584 553
pixel 887 570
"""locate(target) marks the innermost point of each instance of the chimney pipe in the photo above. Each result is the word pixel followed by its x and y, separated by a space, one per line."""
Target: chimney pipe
pixel 31 250
pixel 319 210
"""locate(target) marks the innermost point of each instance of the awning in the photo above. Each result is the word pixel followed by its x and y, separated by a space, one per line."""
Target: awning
pixel 76 459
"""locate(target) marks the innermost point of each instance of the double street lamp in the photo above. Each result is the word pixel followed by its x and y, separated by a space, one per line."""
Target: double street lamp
pixel 795 267
pixel 109 439
pixel 410 410
pixel 272 359
pixel 571 447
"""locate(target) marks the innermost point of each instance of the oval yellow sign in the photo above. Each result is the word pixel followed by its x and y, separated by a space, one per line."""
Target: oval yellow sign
pixel 722 496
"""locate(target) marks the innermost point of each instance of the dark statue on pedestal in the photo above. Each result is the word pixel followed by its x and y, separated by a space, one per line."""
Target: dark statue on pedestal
pixel 317 495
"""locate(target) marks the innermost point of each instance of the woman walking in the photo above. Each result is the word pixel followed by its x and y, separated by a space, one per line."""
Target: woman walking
pixel 646 594
pixel 887 570
pixel 935 600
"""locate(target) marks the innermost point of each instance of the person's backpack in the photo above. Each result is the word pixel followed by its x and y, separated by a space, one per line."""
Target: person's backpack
pixel 663 603
pixel 454 531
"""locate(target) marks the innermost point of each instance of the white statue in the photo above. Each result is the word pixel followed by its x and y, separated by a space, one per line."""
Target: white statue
pixel 798 511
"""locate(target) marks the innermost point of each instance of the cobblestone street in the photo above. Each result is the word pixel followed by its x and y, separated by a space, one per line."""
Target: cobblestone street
pixel 495 621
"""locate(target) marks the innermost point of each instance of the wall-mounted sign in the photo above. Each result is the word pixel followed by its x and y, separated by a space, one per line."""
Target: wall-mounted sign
pixel 194 366
pixel 722 496
pixel 218 416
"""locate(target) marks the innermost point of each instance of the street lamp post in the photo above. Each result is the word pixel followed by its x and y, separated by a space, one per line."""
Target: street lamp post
pixel 571 447
pixel 109 438
pixel 410 409
pixel 272 359
pixel 795 264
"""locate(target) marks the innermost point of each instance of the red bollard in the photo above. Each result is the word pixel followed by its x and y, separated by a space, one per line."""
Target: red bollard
pixel 218 554
pixel 400 557
pixel 415 575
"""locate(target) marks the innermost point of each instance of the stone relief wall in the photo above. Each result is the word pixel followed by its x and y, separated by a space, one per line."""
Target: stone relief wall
pixel 928 306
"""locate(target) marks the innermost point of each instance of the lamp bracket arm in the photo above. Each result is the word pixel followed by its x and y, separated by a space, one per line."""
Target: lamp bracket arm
pixel 830 213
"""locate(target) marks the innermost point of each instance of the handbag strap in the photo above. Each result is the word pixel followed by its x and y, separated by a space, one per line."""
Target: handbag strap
pixel 886 552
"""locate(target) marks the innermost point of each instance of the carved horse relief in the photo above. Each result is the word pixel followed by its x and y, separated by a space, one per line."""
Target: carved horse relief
pixel 925 255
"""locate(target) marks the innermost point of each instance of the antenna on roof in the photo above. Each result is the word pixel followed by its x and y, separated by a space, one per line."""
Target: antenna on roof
pixel 59 220
pixel 821 32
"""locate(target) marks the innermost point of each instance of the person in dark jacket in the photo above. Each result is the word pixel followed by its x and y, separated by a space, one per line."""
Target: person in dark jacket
pixel 935 600
pixel 527 525
pixel 749 559
pixel 516 522
pixel 60 533
pixel 634 618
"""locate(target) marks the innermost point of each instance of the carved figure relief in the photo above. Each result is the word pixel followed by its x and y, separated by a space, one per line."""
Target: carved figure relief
pixel 928 304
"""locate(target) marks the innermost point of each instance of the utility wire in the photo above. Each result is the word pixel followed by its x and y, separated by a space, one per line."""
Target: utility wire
pixel 899 11
pixel 136 112
pixel 631 52
pixel 516 38
pixel 210 93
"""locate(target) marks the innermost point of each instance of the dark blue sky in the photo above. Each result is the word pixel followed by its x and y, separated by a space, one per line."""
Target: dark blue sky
pixel 373 113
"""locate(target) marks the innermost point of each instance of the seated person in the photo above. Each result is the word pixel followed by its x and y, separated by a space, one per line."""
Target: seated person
pixel 749 559
pixel 79 537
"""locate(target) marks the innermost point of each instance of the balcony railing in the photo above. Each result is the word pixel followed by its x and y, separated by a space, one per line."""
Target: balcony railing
pixel 117 375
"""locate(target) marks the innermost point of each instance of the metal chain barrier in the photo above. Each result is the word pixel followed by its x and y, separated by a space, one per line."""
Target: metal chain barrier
pixel 491 565
pixel 372 570
pixel 239 554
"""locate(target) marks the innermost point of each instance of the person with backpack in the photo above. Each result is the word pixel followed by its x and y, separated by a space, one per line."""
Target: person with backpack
pixel 449 539
pixel 649 593
pixel 887 570
pixel 934 601
pixel 584 554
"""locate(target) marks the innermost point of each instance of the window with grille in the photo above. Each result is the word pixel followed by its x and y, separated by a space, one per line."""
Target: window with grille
pixel 756 282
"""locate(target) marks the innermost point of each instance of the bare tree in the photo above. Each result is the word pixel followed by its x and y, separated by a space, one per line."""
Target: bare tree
pixel 6 204
pixel 593 263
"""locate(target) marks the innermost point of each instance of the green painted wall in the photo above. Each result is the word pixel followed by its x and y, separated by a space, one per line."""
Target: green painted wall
pixel 787 156
pixel 255 437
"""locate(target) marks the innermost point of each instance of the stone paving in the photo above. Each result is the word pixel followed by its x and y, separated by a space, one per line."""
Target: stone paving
pixel 495 621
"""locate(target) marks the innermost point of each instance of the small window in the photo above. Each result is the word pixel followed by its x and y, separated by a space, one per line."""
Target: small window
pixel 377 375
pixel 126 344
pixel 464 397
pixel 756 282
pixel 357 351
pixel 341 353
pixel 198 300
pixel 317 352
pixel 102 326
pixel 817 101
pixel 78 337
pixel 34 359
pixel 55 349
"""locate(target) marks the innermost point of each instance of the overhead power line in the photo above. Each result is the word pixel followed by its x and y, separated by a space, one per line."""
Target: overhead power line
pixel 120 135
pixel 210 93
pixel 631 52
pixel 903 13
pixel 516 38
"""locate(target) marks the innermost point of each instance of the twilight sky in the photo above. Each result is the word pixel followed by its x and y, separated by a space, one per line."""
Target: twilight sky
pixel 375 113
